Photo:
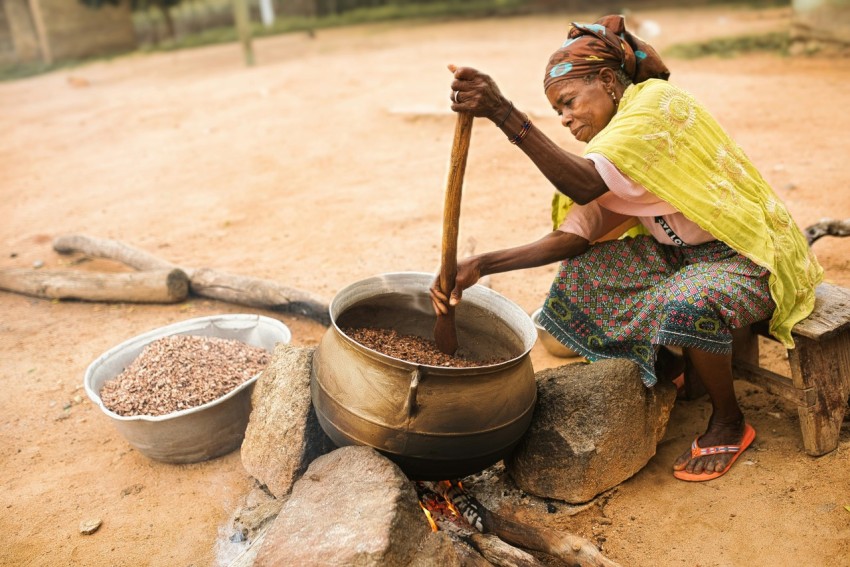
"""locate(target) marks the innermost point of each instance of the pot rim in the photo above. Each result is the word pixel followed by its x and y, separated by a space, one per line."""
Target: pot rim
pixel 478 295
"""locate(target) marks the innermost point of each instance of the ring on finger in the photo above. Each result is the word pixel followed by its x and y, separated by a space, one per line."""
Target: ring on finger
pixel 455 97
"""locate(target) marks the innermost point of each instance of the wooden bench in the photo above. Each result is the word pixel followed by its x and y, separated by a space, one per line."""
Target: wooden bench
pixel 820 367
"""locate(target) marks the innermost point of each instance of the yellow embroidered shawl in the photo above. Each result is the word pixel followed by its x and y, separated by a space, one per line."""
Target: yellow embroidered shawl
pixel 663 139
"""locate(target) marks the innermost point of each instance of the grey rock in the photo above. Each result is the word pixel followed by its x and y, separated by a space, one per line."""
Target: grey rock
pixel 352 507
pixel 594 426
pixel 283 434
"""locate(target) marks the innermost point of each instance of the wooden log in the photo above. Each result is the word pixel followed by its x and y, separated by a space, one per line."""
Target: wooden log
pixel 500 553
pixel 467 554
pixel 569 548
pixel 472 547
pixel 259 293
pixel 205 282
pixel 154 286
pixel 827 227
pixel 111 250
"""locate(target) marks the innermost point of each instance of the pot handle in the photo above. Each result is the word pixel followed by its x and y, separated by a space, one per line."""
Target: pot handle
pixel 410 405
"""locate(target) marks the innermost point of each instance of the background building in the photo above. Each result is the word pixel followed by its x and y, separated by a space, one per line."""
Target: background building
pixel 50 30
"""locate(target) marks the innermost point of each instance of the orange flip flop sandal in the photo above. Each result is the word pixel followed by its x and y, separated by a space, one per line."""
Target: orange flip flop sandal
pixel 697 451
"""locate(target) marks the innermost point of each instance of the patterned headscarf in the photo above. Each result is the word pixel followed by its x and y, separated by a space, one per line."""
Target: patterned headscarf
pixel 606 43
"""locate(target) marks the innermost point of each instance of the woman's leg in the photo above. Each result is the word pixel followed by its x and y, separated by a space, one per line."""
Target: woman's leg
pixel 669 366
pixel 601 303
pixel 726 425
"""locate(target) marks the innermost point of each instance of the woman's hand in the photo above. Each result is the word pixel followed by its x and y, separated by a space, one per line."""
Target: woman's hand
pixel 468 274
pixel 477 93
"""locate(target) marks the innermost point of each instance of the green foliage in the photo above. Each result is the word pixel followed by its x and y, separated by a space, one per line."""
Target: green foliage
pixel 773 42
pixel 392 11
pixel 17 71
pixel 99 3
pixel 400 11
pixel 134 4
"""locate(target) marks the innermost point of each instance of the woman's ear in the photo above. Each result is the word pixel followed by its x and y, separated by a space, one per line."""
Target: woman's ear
pixel 608 78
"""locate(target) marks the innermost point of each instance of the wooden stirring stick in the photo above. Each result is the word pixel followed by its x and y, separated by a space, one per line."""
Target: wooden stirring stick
pixel 445 333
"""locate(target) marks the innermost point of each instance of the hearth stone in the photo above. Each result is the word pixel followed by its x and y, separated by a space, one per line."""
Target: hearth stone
pixel 594 426
pixel 283 434
pixel 353 506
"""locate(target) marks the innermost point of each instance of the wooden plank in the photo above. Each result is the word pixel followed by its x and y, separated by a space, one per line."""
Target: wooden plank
pixel 820 368
pixel 824 365
pixel 774 383
pixel 830 316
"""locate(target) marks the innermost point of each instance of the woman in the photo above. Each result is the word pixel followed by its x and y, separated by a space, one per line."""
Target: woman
pixel 718 250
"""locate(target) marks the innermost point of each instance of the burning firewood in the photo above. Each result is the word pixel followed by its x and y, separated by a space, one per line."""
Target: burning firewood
pixel 570 548
pixel 444 516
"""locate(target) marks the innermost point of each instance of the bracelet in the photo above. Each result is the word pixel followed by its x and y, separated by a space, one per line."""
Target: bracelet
pixel 507 115
pixel 517 140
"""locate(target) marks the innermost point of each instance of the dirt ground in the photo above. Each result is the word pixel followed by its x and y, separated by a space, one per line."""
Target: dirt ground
pixel 322 165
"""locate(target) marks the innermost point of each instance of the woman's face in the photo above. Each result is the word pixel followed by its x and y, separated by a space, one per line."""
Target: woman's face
pixel 584 108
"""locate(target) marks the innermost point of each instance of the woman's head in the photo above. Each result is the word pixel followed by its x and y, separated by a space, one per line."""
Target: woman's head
pixel 586 104
pixel 597 60
pixel 605 43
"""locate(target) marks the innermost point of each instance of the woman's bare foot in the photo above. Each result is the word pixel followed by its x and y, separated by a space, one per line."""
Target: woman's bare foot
pixel 718 433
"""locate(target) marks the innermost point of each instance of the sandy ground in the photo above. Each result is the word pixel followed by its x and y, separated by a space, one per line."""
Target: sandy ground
pixel 320 166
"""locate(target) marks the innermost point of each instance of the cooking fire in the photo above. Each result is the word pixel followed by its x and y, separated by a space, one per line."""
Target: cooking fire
pixel 435 498
pixel 450 508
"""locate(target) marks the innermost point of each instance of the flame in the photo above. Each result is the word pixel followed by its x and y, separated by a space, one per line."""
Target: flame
pixel 437 504
pixel 448 503
pixel 431 521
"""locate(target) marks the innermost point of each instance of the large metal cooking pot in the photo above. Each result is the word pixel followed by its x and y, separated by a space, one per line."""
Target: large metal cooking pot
pixel 435 422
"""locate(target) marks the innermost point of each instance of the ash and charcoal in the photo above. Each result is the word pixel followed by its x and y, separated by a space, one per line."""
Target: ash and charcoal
pixel 413 348
pixel 180 372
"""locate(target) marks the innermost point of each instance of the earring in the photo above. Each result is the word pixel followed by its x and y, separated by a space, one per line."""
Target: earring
pixel 613 97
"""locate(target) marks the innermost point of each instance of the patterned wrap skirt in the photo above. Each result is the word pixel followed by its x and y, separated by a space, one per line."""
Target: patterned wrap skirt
pixel 623 298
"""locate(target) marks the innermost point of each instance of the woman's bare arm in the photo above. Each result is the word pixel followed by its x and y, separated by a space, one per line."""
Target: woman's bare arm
pixel 570 174
pixel 553 247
